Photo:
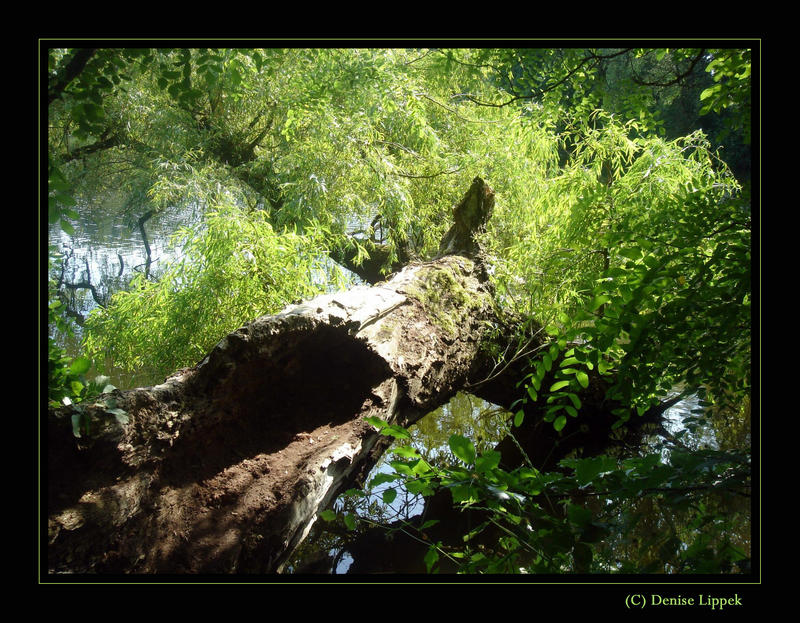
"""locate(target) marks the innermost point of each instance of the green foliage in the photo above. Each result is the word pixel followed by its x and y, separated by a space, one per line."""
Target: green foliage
pixel 67 383
pixel 652 256
pixel 233 267
pixel 619 231
pixel 59 200
pixel 731 71
pixel 321 141
pixel 551 522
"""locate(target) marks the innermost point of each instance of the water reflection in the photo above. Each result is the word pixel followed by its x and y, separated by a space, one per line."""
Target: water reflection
pixel 106 249
pixel 486 424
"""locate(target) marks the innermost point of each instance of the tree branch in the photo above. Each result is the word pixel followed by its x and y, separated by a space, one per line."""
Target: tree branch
pixel 68 73
pixel 678 78
pixel 591 57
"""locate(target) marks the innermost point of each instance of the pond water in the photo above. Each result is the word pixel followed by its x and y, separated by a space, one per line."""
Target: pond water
pixel 107 248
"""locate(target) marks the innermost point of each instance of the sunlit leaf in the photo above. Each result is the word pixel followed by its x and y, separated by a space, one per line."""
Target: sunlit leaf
pixel 406 451
pixel 431 557
pixel 376 422
pixel 487 461
pixel 381 478
pixel 462 448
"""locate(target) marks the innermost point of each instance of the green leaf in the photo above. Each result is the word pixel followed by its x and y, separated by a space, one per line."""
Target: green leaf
pixel 402 468
pixel 420 467
pixel 418 487
pixel 80 365
pixel 589 469
pixel 583 379
pixel 560 423
pixel 462 448
pixel 376 422
pixel 633 253
pixel 575 400
pixel 381 478
pixel 328 515
pixel 236 77
pixel 430 559
pixel 463 493
pixel 709 91
pixel 550 414
pixel 598 301
pixel 389 495
pixel 350 521
pixel 487 461
pixel 558 385
pixel 407 452
pixel 518 418
pixel 428 524
pixel 398 432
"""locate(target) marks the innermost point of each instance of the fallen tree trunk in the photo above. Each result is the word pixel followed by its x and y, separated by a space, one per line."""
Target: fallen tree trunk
pixel 224 467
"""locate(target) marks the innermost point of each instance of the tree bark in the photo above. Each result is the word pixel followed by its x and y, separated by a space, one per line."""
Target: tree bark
pixel 224 467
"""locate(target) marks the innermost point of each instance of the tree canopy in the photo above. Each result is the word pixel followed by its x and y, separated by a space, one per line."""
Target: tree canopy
pixel 620 245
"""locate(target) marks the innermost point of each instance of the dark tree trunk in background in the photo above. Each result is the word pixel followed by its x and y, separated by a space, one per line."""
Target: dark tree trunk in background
pixel 224 467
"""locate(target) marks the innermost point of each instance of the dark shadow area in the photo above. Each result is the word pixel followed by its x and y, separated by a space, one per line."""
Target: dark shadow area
pixel 70 469
pixel 315 378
